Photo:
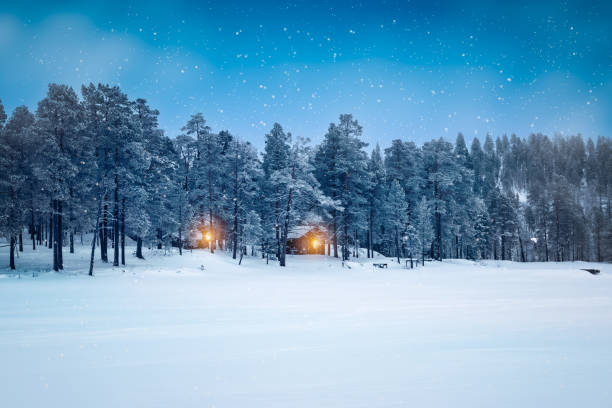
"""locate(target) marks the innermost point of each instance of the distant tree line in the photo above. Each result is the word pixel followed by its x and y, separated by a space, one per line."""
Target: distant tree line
pixel 99 163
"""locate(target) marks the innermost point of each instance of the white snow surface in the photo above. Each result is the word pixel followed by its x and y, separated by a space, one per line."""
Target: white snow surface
pixel 165 333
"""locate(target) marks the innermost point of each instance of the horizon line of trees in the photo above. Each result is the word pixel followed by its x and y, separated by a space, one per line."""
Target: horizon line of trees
pixel 99 164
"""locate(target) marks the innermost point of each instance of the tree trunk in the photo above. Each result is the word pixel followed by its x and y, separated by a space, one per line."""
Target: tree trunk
pixel 397 249
pixel 123 231
pixel 54 237
pixel 160 237
pixel 546 243
pixel 12 253
pixel 371 234
pixel 71 222
pixel 277 230
pixel 139 248
pixel 235 232
pixel 286 226
pixel 438 236
pixel 116 222
pixel 33 230
pixel 180 229
pixel 50 235
pixel 335 234
pixel 210 213
pixel 60 235
pixel 93 241
pixel 20 241
pixel 456 246
pixel 104 234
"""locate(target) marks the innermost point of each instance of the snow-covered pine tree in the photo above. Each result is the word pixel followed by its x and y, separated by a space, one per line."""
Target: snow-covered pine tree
pixel 423 225
pixel 16 150
pixel 376 194
pixel 206 171
pixel 252 231
pixel 275 158
pixel 341 168
pixel 296 191
pixel 443 173
pixel 59 123
pixel 397 214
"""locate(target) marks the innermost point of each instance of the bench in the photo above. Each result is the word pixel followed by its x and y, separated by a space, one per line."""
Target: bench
pixel 380 265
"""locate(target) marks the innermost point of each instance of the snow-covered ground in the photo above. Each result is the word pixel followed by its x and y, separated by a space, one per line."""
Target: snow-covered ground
pixel 166 332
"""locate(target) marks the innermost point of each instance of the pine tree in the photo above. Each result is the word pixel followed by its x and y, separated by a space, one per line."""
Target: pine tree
pixel 59 122
pixel 424 225
pixel 340 167
pixel 275 158
pixel 16 150
pixel 397 214
pixel 376 194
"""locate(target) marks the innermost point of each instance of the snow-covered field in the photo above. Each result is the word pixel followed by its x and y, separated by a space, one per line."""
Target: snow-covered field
pixel 165 333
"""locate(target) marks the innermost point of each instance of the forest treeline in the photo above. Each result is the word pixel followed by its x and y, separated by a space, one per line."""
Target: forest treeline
pixel 99 163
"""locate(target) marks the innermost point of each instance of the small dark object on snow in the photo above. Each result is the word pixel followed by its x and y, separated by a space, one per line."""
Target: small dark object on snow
pixel 380 265
pixel 592 271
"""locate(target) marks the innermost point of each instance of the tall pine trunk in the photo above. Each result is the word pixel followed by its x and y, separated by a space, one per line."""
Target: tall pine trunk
pixel 277 230
pixel 71 226
pixel 456 246
pixel 235 232
pixel 370 233
pixel 12 252
pixel 397 248
pixel 95 235
pixel 116 218
pixel 335 233
pixel 285 232
pixel 54 236
pixel 60 235
pixel 104 233
pixel 438 235
pixel 123 231
pixel 180 228
pixel 139 248
pixel 50 236
pixel 33 226
pixel 210 213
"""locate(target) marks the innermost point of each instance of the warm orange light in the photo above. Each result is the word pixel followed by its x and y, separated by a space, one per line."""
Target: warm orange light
pixel 315 243
pixel 208 236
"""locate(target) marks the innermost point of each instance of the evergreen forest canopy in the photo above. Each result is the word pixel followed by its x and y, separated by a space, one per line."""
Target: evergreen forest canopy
pixel 99 163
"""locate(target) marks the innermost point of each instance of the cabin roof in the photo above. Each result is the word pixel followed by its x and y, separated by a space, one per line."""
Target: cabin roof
pixel 301 230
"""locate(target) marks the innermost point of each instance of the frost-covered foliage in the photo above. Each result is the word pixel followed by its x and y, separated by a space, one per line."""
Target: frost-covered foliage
pixel 99 162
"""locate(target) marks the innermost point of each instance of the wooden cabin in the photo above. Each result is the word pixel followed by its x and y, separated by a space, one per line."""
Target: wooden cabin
pixel 307 240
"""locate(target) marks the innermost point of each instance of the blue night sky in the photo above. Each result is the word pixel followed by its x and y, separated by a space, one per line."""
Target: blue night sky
pixel 410 70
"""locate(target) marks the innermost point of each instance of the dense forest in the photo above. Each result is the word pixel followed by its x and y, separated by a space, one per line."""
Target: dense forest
pixel 99 164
